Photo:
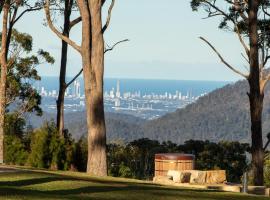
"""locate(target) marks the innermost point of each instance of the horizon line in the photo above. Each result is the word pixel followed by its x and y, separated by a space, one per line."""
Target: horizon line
pixel 157 79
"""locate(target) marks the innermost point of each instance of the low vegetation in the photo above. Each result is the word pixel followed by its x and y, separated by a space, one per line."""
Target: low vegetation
pixel 45 148
pixel 27 184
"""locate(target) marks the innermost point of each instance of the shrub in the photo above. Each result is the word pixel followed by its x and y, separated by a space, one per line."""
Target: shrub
pixel 125 171
pixel 40 149
pixel 15 152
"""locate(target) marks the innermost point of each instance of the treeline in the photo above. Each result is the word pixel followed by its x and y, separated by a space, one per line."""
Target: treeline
pixel 44 148
pixel 136 159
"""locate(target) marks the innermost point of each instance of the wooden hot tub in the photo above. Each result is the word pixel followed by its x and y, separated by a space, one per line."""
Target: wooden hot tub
pixel 173 161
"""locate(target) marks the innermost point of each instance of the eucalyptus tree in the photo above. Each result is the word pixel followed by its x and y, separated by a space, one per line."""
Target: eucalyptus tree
pixel 248 21
pixel 12 11
pixel 67 8
pixel 92 52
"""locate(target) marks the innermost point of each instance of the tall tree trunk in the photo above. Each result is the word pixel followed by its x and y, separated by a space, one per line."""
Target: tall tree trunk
pixel 93 64
pixel 3 79
pixel 62 78
pixel 256 96
pixel 62 90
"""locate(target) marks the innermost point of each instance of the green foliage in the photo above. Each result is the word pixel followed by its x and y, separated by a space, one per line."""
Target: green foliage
pixel 230 156
pixel 21 40
pixel 15 152
pixel 80 155
pixel 15 148
pixel 22 73
pixel 233 17
pixel 14 125
pixel 267 170
pixel 136 159
pixel 49 150
pixel 39 155
pixel 125 171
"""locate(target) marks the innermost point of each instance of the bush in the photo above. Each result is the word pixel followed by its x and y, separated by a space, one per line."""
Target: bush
pixel 49 150
pixel 80 155
pixel 15 147
pixel 15 152
pixel 125 171
pixel 40 149
pixel 267 171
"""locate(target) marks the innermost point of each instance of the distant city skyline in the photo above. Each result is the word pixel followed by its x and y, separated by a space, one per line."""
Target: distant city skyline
pixel 147 105
pixel 163 45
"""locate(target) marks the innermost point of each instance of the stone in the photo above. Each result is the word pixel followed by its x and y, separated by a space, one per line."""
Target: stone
pixel 216 177
pixel 185 177
pixel 176 175
pixel 198 177
pixel 267 192
pixel 167 180
pixel 179 176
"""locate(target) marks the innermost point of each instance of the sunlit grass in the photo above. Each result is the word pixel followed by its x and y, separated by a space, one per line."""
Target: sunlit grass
pixel 41 184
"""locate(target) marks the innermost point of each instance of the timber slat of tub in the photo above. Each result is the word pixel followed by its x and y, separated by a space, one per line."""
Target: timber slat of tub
pixel 174 156
pixel 173 161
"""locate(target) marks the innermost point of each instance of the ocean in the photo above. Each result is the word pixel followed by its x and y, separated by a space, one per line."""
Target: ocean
pixel 148 86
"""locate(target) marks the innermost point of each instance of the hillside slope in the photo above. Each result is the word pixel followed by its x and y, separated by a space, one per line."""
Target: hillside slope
pixel 119 126
pixel 221 115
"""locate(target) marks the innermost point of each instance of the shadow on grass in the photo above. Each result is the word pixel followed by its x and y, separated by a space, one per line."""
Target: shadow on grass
pixel 129 192
pixel 107 189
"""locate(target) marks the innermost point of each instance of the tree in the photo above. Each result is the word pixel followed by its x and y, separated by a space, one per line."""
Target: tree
pixel 92 53
pixel 242 18
pixel 4 65
pixel 11 15
pixel 67 26
pixel 68 8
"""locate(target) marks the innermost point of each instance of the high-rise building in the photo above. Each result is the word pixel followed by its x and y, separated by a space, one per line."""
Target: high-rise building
pixel 118 93
pixel 77 89
pixel 112 93
pixel 117 102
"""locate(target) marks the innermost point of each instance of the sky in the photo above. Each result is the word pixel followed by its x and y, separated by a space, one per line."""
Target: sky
pixel 164 43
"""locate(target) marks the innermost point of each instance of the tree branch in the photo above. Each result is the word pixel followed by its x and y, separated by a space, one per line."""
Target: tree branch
pixel 75 21
pixel 242 41
pixel 75 77
pixel 222 59
pixel 80 72
pixel 60 35
pixel 108 17
pixel 266 60
pixel 264 82
pixel 27 10
pixel 117 43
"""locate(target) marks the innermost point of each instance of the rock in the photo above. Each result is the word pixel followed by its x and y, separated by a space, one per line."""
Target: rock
pixel 216 177
pixel 179 176
pixel 185 177
pixel 167 180
pixel 198 177
pixel 175 175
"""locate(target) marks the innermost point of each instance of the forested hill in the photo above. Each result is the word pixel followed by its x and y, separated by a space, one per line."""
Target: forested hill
pixel 221 115
pixel 120 127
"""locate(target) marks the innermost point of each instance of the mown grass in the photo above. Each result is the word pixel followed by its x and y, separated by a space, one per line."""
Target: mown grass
pixel 41 184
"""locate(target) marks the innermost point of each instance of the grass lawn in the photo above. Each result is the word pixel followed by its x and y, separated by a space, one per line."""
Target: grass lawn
pixel 39 184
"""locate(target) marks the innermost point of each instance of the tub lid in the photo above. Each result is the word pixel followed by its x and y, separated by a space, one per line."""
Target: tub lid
pixel 174 156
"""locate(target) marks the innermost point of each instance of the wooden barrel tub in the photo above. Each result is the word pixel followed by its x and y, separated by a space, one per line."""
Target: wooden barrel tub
pixel 173 161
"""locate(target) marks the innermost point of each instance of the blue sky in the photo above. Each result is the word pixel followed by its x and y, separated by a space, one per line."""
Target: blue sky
pixel 163 43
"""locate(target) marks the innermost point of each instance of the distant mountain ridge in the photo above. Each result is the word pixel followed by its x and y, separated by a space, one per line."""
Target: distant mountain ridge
pixel 221 115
